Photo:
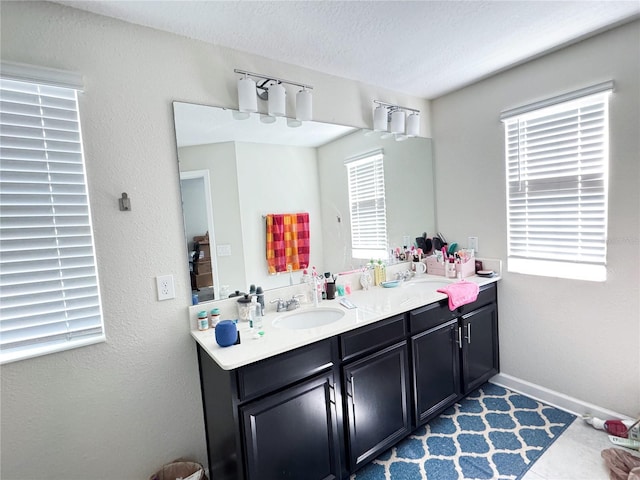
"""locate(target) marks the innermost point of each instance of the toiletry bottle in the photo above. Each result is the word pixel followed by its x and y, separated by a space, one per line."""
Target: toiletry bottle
pixel 214 317
pixel 450 268
pixel 257 314
pixel 203 320
pixel 260 298
pixel 305 278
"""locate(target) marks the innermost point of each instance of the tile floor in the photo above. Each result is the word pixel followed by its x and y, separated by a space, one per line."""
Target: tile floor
pixel 574 456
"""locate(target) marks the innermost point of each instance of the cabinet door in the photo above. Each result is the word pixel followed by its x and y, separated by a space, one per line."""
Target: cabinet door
pixel 293 434
pixel 377 403
pixel 436 370
pixel 480 359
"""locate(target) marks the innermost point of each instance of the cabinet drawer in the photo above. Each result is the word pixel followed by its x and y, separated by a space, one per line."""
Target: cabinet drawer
pixel 486 296
pixel 270 374
pixel 430 316
pixel 366 339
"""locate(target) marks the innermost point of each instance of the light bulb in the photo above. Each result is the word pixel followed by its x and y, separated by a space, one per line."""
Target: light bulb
pixel 380 118
pixel 247 98
pixel 303 105
pixel 277 100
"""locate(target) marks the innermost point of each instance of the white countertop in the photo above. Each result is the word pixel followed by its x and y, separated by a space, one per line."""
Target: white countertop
pixel 374 304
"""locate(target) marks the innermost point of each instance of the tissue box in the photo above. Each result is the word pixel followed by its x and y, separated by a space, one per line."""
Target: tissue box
pixel 433 266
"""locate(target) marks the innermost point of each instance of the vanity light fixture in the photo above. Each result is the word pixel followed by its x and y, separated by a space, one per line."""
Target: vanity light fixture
pixel 393 120
pixel 396 125
pixel 267 118
pixel 380 119
pixel 247 99
pixel 272 89
pixel 303 105
pixel 413 124
pixel 277 100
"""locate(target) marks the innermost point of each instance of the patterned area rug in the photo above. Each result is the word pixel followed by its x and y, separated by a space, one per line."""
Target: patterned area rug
pixel 494 433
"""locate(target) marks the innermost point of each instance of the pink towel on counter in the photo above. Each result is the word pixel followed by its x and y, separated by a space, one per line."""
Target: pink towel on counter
pixel 460 293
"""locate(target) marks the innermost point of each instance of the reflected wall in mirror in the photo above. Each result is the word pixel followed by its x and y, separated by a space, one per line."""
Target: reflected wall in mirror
pixel 234 172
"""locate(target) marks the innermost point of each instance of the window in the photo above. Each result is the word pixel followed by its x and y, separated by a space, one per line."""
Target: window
pixel 367 206
pixel 49 296
pixel 557 165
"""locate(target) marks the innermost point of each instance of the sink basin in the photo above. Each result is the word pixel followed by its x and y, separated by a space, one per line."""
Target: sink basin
pixel 311 318
pixel 434 283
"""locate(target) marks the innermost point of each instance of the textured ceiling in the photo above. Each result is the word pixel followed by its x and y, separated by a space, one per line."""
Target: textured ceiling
pixel 422 48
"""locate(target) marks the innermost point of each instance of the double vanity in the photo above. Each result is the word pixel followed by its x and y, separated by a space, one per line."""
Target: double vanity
pixel 327 389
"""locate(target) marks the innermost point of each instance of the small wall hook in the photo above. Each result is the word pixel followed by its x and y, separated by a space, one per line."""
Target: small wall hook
pixel 125 203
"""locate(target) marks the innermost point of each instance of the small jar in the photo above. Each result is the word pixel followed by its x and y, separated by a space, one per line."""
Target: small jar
pixel 203 320
pixel 245 309
pixel 214 317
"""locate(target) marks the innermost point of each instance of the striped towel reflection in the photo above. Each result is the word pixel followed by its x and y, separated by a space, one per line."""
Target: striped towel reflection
pixel 287 241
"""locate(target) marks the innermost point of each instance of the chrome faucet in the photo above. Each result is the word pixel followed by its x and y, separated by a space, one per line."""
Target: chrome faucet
pixel 281 306
pixel 294 302
pixel 406 275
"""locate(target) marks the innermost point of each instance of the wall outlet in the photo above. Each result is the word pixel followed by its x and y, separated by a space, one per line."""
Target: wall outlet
pixel 166 289
pixel 473 244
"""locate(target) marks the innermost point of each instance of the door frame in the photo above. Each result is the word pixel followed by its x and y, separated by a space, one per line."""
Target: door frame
pixel 206 182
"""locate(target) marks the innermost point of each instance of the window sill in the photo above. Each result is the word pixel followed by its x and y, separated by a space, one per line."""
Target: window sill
pixel 33 351
pixel 546 268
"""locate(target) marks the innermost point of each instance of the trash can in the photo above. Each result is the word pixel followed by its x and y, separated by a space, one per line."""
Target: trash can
pixel 180 470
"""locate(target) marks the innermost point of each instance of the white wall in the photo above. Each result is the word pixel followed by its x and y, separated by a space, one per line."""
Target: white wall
pixel 579 338
pixel 122 408
pixel 276 179
pixel 226 206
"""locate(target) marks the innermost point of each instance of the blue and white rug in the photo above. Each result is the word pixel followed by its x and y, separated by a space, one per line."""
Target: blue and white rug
pixel 494 433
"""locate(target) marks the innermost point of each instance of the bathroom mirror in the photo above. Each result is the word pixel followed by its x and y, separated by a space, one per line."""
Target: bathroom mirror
pixel 235 169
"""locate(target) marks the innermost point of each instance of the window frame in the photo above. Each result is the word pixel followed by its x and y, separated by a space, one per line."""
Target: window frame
pixel 564 171
pixel 370 166
pixel 69 307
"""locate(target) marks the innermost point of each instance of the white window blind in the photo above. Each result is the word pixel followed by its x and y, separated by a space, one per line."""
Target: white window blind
pixel 367 205
pixel 557 166
pixel 49 295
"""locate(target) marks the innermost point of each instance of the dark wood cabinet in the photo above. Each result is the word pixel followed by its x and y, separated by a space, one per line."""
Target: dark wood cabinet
pixel 293 434
pixel 453 352
pixel 480 359
pixel 376 403
pixel 322 411
pixel 436 370
pixel 278 418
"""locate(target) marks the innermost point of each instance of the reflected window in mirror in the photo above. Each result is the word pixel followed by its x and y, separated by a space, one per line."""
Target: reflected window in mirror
pixel 367 205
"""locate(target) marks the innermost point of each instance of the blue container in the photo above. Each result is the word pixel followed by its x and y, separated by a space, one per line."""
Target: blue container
pixel 226 333
pixel 194 299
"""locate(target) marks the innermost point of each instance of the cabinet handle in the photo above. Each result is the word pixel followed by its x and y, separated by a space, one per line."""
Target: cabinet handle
pixel 352 381
pixel 332 393
pixel 469 333
pixel 459 340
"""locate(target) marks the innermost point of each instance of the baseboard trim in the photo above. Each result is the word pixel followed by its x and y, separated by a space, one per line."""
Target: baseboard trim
pixel 555 399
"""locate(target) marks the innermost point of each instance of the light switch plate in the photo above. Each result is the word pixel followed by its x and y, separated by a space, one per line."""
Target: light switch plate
pixel 473 244
pixel 223 250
